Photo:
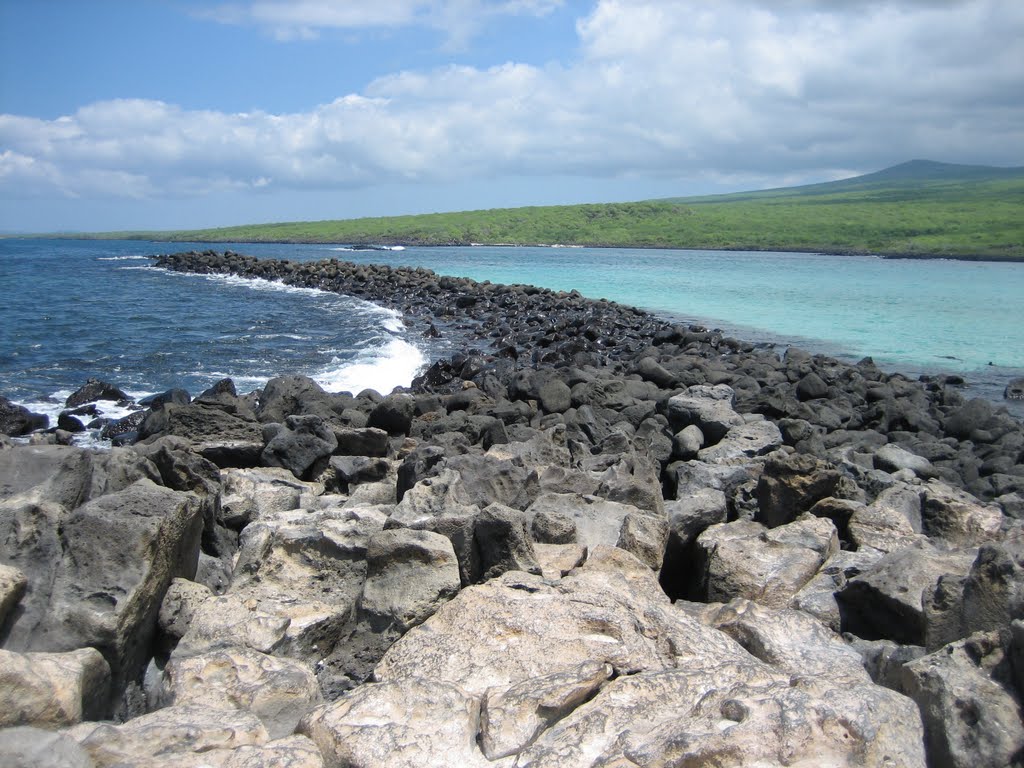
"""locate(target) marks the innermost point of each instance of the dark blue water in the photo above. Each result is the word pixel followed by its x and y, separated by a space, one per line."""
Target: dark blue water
pixel 75 309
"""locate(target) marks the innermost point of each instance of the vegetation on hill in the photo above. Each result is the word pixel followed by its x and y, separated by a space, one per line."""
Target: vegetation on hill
pixel 917 209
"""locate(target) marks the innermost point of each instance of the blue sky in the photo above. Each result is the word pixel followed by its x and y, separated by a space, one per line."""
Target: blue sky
pixel 148 114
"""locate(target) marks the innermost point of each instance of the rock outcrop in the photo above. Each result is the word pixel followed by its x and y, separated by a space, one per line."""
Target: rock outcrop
pixel 590 539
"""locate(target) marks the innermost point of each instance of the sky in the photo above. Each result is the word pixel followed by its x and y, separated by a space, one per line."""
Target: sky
pixel 172 114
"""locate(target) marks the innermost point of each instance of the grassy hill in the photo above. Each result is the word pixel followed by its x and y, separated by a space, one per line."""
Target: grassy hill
pixel 917 209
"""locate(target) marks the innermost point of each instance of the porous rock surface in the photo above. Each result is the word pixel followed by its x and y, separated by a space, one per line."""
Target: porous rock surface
pixel 588 538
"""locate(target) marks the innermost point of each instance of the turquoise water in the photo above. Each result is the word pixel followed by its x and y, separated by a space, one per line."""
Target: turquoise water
pixel 75 309
pixel 959 316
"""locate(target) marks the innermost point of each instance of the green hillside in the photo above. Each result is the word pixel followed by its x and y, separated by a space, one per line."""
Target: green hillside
pixel 917 209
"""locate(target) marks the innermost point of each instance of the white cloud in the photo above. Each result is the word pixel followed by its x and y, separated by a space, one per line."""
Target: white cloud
pixel 305 19
pixel 760 91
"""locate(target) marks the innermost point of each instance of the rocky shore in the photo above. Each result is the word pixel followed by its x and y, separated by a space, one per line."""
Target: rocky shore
pixel 589 538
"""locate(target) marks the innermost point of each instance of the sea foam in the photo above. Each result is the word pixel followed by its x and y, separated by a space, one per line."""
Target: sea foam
pixel 382 368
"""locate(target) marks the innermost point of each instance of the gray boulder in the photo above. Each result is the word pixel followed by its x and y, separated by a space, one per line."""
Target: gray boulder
pixel 16 420
pixel 227 436
pixel 91 592
pixel 501 537
pixel 970 718
pixel 755 438
pixel 1014 389
pixel 769 566
pixel 441 504
pixel 302 442
pixel 887 600
pixel 645 537
pixel 286 396
pixel 791 484
pixel 708 407
pixel 409 575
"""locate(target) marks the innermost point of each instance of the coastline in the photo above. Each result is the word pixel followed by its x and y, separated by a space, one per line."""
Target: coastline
pixel 586 504
pixel 413 243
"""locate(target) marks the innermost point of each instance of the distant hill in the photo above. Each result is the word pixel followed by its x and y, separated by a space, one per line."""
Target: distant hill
pixel 918 209
pixel 915 177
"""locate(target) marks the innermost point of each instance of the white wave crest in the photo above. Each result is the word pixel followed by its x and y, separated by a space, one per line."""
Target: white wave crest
pixel 122 258
pixel 395 364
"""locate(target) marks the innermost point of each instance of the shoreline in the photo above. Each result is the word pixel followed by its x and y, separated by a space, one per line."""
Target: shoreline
pixel 476 312
pixel 590 532
pixel 405 243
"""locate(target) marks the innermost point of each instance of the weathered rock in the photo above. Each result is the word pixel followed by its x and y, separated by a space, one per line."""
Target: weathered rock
pixel 441 504
pixel 16 420
pixel 364 441
pixel 708 408
pixel 540 628
pixel 1014 389
pixel 555 396
pixel 989 597
pixel 227 621
pixel 393 414
pixel 191 737
pixel 633 480
pixel 904 499
pixel 300 444
pixel 645 537
pixel 278 691
pixel 956 517
pixel 12 587
pixel 307 567
pixel 285 396
pixel 965 421
pixel 649 369
pixel 757 438
pixel 892 458
pixel 350 471
pixel 53 689
pixel 769 566
pixel 253 494
pixel 552 528
pixel 791 485
pixel 513 718
pixel 109 596
pixel 488 479
pixel 790 641
pixel 811 387
pixel 228 438
pixel 881 528
pixel 409 574
pixel 92 390
pixel 412 722
pixel 67 476
pixel 543 450
pixel 501 537
pixel 886 601
pixel 970 719
pixel 29 747
pixel 597 521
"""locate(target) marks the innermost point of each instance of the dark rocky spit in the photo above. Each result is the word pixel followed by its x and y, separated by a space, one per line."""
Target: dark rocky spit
pixel 588 538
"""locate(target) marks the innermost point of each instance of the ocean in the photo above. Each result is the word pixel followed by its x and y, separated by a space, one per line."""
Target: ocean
pixel 74 309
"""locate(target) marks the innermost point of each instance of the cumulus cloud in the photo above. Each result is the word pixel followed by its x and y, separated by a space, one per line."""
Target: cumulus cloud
pixel 741 90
